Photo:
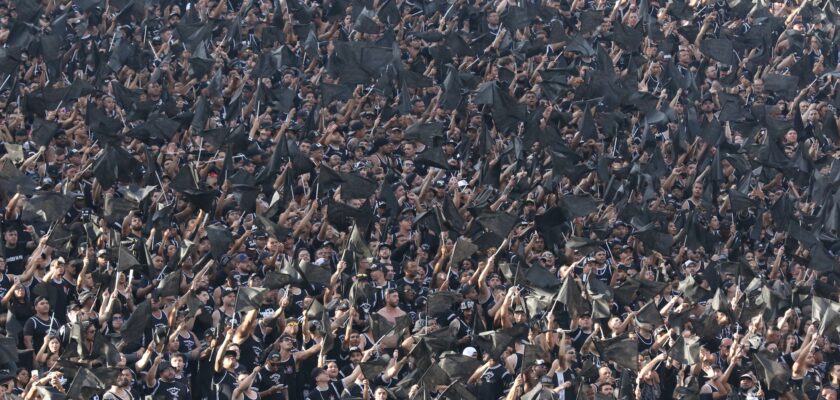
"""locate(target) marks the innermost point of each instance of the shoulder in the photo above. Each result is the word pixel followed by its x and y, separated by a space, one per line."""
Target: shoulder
pixel 505 373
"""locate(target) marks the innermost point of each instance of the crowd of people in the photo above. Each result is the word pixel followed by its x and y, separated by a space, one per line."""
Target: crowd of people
pixel 419 199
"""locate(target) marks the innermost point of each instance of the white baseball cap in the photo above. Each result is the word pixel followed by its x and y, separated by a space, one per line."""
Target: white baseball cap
pixel 470 352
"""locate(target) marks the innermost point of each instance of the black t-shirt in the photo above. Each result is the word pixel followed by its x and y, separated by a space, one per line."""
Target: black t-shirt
pixel 223 384
pixel 40 329
pixel 203 374
pixel 266 379
pixel 21 311
pixel 204 320
pixel 493 382
pixel 169 390
pixel 560 378
pixel 65 292
pixel 293 378
pixel 579 338
pixel 251 349
pixel 16 258
pixel 156 322
pixel 186 344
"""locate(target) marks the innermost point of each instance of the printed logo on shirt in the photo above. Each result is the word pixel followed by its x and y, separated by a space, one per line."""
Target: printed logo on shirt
pixel 267 312
pixel 488 376
pixel 189 344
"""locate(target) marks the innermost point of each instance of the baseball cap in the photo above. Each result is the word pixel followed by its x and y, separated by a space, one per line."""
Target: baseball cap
pixel 470 352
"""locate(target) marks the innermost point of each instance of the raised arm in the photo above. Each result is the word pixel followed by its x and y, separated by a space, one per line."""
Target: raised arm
pixel 480 371
pixel 394 366
pixel 349 379
pixel 11 293
pixel 152 375
pixel 85 265
pixel 217 363
pixel 108 309
pixel 311 351
pixel 246 329
pixel 245 384
pixel 799 367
